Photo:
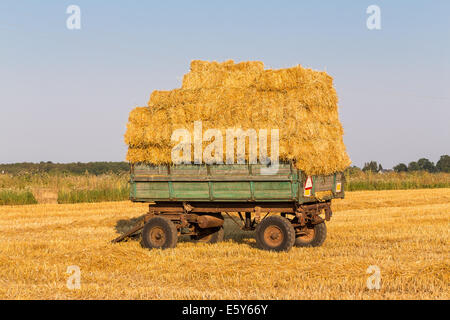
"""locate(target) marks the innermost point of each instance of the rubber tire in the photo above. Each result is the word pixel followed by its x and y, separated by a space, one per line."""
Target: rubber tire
pixel 212 238
pixel 285 226
pixel 169 229
pixel 320 234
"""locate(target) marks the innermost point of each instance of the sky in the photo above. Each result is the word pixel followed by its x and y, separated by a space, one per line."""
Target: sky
pixel 65 94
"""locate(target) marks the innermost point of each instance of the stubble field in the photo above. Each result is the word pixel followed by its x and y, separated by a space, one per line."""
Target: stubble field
pixel 405 233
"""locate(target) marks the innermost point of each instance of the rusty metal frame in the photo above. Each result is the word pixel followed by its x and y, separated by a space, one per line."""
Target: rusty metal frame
pixel 184 214
pixel 206 207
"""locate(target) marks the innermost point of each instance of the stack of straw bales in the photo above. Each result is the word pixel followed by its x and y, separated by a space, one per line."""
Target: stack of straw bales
pixel 301 103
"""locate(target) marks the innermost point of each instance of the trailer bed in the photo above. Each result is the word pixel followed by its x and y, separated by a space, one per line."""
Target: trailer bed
pixel 236 183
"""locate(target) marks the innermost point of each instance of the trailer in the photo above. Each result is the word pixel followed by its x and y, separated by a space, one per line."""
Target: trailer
pixel 285 209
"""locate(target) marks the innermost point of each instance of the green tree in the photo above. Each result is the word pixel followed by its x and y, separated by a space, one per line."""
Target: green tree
pixel 371 166
pixel 401 167
pixel 413 166
pixel 443 165
pixel 76 168
pixel 426 165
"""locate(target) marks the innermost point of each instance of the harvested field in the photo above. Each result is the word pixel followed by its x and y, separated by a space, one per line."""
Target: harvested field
pixel 403 232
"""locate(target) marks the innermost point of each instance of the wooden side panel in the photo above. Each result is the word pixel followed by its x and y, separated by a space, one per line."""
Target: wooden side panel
pixel 273 190
pixel 324 183
pixel 231 190
pixel 225 183
pixel 229 170
pixel 156 190
pixel 190 190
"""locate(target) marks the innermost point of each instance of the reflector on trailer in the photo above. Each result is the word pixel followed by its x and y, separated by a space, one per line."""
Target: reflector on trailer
pixel 308 186
pixel 308 183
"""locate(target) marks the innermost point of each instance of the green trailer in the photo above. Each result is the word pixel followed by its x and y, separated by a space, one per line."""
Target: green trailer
pixel 286 208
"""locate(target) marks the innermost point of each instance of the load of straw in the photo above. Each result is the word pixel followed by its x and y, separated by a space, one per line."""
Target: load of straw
pixel 301 103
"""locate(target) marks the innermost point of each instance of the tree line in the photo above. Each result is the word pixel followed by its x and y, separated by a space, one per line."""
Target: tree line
pixel 97 168
pixel 76 168
pixel 423 164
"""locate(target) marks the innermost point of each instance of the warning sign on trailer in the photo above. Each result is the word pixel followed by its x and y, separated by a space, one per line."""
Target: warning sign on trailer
pixel 308 183
pixel 308 187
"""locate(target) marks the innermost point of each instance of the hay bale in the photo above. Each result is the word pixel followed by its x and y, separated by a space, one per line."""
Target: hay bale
pixel 150 154
pixel 206 74
pixel 301 103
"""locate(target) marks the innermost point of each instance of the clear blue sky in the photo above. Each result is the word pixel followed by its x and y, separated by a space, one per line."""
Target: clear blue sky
pixel 65 94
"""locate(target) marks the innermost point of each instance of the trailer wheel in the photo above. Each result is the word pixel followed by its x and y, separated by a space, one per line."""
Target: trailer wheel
pixel 315 236
pixel 210 235
pixel 159 233
pixel 275 233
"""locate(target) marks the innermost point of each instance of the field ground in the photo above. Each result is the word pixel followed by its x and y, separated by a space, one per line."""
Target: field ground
pixel 403 232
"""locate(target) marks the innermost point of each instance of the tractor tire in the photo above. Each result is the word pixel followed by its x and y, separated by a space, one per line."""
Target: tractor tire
pixel 275 233
pixel 315 237
pixel 159 233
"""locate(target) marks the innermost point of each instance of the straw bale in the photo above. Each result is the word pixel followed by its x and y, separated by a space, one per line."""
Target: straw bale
pixel 301 103
pixel 227 74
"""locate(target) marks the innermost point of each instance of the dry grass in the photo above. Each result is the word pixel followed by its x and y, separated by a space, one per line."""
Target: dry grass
pixel 54 188
pixel 396 180
pixel 405 233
